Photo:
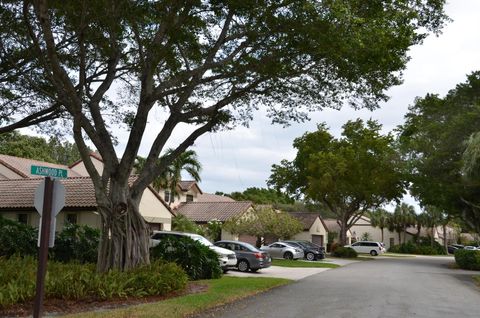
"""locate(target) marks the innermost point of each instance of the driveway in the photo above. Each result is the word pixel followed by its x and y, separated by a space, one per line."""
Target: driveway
pixel 384 288
pixel 294 273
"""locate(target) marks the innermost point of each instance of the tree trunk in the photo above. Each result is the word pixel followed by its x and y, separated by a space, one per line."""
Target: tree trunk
pixel 382 234
pixel 343 232
pixel 399 237
pixel 445 238
pixel 125 235
pixel 432 238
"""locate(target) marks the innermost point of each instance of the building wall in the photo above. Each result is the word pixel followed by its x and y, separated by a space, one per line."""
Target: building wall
pixel 317 228
pixel 6 173
pixel 81 170
pixel 89 218
pixel 363 226
pixel 153 210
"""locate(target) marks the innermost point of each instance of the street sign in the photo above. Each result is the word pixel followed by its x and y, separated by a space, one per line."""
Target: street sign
pixel 58 202
pixel 48 172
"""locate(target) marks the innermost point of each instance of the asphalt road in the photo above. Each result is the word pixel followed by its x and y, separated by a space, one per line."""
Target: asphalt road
pixel 383 288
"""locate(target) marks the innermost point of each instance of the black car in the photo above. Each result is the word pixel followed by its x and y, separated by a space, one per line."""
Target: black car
pixel 311 251
pixel 248 256
pixel 452 248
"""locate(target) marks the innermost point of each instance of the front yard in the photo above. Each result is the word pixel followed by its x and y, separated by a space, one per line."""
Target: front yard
pixel 219 292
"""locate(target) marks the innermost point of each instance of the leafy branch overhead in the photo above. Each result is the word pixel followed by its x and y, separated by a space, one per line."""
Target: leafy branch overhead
pixel 93 67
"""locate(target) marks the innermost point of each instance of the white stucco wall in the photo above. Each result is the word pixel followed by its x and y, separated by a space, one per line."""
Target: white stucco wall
pixel 8 174
pixel 81 170
pixel 153 211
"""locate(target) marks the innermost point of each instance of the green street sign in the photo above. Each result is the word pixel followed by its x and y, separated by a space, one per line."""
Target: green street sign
pixel 48 172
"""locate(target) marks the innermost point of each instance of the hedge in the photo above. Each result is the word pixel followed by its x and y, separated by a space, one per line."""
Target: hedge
pixel 418 248
pixel 82 282
pixel 346 252
pixel 468 259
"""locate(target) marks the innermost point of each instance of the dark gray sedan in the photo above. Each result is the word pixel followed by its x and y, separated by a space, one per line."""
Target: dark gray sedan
pixel 248 256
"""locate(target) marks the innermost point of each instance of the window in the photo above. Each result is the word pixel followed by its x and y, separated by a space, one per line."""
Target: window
pixel 22 218
pixel 71 218
pixel 167 196
pixel 189 198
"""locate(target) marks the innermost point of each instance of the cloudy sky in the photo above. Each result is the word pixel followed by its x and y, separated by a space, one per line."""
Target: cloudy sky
pixel 241 158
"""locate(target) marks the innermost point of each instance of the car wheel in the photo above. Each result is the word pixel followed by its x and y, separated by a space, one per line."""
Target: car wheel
pixel 288 255
pixel 373 253
pixel 310 256
pixel 225 270
pixel 254 270
pixel 243 265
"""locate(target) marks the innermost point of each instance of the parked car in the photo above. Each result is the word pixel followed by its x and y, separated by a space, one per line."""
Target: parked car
pixel 459 246
pixel 372 248
pixel 283 250
pixel 471 248
pixel 311 251
pixel 452 249
pixel 248 256
pixel 226 258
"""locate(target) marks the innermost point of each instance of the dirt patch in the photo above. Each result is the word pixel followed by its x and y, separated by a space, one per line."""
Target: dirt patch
pixel 54 307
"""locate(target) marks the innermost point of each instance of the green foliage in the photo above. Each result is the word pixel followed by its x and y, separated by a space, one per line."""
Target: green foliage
pixel 347 175
pixel 82 282
pixel 421 247
pixel 435 140
pixel 17 238
pixel 54 150
pixel 265 222
pixel 366 237
pixel 344 252
pixel 262 196
pixel 468 259
pixel 181 223
pixel 402 217
pixel 75 242
pixel 198 261
pixel 213 230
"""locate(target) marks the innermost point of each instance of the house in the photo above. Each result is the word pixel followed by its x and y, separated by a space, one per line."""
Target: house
pixel 314 228
pixel 333 229
pixel 364 225
pixel 17 188
pixel 187 191
pixel 203 212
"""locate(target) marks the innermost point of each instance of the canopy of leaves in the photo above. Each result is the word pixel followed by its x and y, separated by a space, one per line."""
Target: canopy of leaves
pixel 54 150
pixel 262 196
pixel 265 222
pixel 433 141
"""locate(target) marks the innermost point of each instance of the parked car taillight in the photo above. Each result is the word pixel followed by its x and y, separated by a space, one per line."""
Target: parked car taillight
pixel 259 255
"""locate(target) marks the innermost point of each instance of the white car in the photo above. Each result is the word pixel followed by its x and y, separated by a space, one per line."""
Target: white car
pixel 368 247
pixel 226 258
pixel 471 248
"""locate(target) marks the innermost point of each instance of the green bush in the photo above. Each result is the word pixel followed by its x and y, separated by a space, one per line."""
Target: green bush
pixel 198 261
pixel 468 259
pixel 422 247
pixel 76 243
pixel 78 281
pixel 346 252
pixel 17 238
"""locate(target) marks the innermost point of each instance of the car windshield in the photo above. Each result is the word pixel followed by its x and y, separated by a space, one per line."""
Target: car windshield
pixel 307 244
pixel 201 239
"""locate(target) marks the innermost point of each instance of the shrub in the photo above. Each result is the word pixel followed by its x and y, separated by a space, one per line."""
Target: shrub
pixel 80 281
pixel 346 252
pixel 198 261
pixel 17 238
pixel 468 259
pixel 76 243
pixel 422 247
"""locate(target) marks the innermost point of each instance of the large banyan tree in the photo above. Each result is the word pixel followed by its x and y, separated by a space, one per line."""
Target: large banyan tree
pixel 95 67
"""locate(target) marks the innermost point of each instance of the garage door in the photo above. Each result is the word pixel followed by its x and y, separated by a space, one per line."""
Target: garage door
pixel 317 239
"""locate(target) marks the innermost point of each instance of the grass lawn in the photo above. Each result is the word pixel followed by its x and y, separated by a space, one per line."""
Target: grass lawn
pixel 476 278
pixel 300 263
pixel 220 292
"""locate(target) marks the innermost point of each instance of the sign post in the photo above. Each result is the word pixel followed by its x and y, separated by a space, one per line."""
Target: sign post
pixel 49 199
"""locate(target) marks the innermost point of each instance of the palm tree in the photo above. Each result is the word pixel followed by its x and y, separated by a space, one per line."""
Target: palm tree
pixel 434 218
pixel 169 179
pixel 403 217
pixel 380 218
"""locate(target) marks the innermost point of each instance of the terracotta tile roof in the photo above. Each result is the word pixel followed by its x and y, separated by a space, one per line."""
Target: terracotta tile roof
pixel 188 184
pixel 19 193
pixel 332 225
pixel 207 211
pixel 209 197
pixel 92 154
pixel 21 166
pixel 306 218
pixel 79 193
